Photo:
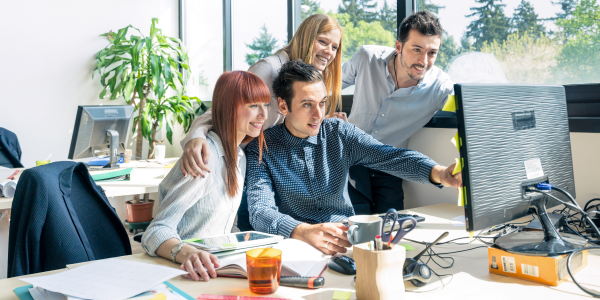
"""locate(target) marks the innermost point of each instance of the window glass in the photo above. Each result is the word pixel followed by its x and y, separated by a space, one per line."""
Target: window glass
pixel 518 41
pixel 203 23
pixel 366 22
pixel 259 29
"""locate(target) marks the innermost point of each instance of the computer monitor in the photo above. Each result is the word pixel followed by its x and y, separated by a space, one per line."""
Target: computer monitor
pixel 101 130
pixel 514 137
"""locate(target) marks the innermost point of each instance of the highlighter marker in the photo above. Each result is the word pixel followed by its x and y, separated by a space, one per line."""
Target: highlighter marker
pixel 302 282
pixel 378 243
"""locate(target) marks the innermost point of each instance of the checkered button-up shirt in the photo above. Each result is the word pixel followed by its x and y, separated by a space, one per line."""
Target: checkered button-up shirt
pixel 305 180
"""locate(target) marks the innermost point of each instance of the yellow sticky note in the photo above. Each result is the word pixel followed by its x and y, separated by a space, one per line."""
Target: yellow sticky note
pixel 457 142
pixel 450 104
pixel 339 295
pixel 458 166
pixel 464 196
pixel 160 296
pixel 460 197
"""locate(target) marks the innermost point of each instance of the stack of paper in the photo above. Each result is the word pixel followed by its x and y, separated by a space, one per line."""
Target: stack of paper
pixel 112 279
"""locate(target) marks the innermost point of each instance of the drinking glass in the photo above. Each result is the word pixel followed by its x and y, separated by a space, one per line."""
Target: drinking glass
pixel 264 270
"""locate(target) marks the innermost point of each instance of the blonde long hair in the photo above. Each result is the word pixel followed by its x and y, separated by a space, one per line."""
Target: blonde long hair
pixel 301 47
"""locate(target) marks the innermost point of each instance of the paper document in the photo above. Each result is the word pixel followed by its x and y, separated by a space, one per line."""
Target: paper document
pixel 8 188
pixel 458 221
pixel 110 279
pixel 5 173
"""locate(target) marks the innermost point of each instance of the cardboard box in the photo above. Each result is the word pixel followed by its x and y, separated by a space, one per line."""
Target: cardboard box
pixel 551 270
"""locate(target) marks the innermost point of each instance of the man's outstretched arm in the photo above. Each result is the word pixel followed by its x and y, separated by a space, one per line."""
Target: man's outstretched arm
pixel 407 164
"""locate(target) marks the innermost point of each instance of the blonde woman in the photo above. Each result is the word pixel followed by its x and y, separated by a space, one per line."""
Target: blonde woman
pixel 318 41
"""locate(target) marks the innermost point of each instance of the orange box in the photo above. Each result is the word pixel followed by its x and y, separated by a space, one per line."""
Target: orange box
pixel 550 270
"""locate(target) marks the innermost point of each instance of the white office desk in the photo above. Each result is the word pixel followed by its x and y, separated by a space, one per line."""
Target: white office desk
pixel 471 277
pixel 145 178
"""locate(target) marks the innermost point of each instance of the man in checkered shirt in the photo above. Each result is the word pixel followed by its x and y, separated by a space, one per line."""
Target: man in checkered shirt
pixel 299 187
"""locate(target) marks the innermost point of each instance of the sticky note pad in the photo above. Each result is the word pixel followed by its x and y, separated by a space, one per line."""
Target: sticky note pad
pixel 450 104
pixel 456 141
pixel 458 166
pixel 339 295
pixel 408 247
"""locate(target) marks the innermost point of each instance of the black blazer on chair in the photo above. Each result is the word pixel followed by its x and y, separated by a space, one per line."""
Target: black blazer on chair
pixel 10 148
pixel 60 217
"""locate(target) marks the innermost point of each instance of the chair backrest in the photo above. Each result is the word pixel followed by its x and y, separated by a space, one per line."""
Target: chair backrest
pixel 105 233
pixel 4 161
pixel 10 149
pixel 60 217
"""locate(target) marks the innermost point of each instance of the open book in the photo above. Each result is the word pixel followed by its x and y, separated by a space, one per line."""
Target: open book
pixel 297 259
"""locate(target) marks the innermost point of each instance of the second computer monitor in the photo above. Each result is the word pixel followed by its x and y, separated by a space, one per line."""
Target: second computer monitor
pixel 512 135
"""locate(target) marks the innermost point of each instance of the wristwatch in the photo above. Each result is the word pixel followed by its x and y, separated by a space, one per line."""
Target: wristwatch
pixel 175 250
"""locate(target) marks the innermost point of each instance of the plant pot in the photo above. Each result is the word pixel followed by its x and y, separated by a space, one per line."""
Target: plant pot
pixel 139 212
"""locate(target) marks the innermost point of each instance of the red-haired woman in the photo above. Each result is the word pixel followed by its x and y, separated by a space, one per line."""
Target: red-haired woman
pixel 207 206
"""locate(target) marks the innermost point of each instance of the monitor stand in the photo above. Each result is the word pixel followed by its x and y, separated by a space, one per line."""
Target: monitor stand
pixel 113 139
pixel 540 243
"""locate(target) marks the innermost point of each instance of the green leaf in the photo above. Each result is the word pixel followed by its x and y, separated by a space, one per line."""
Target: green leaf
pixel 128 91
pixel 166 70
pixel 139 86
pixel 103 93
pixel 153 29
pixel 117 91
pixel 134 127
pixel 169 133
pixel 122 32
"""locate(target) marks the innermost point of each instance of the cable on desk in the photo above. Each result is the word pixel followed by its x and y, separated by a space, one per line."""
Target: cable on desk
pixel 593 293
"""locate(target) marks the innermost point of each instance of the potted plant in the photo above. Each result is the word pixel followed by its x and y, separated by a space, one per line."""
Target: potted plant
pixel 150 73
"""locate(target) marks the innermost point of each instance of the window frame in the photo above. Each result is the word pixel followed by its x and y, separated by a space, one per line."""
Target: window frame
pixel 579 96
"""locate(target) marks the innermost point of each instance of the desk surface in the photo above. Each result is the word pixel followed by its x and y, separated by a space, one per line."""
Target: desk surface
pixel 471 279
pixel 143 180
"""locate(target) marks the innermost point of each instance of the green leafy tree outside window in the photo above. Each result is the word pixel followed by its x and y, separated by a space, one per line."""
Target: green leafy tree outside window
pixel 526 21
pixel 263 46
pixel 359 10
pixel 311 7
pixel 491 24
pixel 579 59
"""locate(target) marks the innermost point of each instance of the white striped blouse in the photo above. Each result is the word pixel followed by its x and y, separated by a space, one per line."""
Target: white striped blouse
pixel 193 208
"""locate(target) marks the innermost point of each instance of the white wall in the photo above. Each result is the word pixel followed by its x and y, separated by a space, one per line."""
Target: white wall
pixel 436 144
pixel 48 50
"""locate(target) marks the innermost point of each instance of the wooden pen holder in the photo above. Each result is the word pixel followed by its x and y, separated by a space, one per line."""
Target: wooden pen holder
pixel 379 273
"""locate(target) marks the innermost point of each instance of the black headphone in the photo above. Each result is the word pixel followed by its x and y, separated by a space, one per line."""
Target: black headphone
pixel 416 272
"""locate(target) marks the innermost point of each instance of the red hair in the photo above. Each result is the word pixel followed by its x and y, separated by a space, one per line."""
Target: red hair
pixel 232 90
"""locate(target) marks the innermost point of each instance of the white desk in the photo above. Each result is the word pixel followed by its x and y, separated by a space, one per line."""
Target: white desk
pixel 471 277
pixel 143 180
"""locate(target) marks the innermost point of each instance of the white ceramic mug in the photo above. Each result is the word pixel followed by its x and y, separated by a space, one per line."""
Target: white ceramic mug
pixel 362 229
pixel 159 152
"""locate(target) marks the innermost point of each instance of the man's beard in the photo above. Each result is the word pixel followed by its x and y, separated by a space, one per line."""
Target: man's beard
pixel 407 68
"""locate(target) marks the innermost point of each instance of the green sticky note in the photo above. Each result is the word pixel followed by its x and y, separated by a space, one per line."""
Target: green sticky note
pixel 229 245
pixel 408 247
pixel 339 295
pixel 450 104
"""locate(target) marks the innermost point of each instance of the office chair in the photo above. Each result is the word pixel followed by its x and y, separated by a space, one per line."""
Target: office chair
pixel 10 150
pixel 60 217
